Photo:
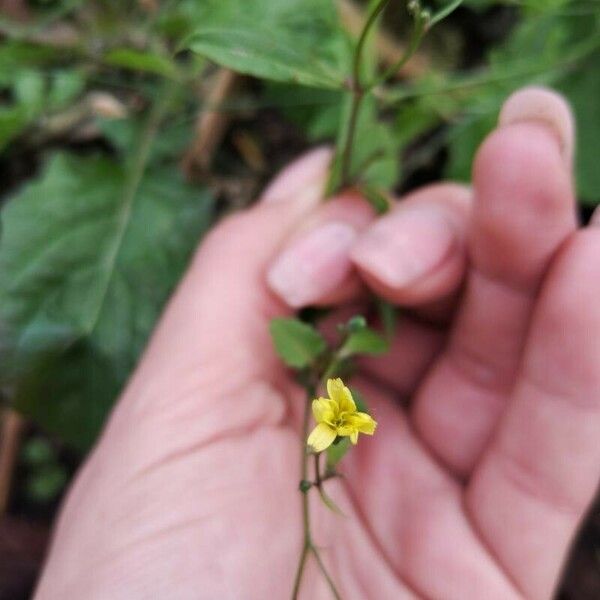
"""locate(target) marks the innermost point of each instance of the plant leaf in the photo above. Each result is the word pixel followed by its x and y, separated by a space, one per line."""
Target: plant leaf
pixel 329 503
pixel 548 47
pixel 296 41
pixel 83 277
pixel 336 452
pixel 364 341
pixel 137 60
pixel 377 198
pixel 297 343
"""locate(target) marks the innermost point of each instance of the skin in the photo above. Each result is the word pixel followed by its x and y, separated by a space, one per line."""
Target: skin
pixel 486 456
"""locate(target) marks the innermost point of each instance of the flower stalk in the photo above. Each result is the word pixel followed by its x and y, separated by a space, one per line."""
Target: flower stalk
pixel 337 417
pixel 308 546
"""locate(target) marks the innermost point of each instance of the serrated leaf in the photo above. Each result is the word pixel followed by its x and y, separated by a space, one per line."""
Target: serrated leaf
pixel 297 343
pixel 364 341
pixel 84 272
pixel 296 41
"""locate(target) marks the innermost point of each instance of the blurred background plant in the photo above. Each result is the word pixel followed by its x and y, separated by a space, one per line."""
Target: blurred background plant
pixel 128 127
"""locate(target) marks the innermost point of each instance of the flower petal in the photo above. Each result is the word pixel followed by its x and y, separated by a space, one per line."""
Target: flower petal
pixel 354 437
pixel 363 422
pixel 346 429
pixel 321 437
pixel 341 394
pixel 323 410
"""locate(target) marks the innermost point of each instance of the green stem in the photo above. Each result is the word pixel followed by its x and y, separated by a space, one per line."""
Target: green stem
pixel 357 96
pixel 300 570
pixel 317 470
pixel 306 535
pixel 325 573
pixel 444 12
pixel 307 542
pixel 362 40
pixel 415 40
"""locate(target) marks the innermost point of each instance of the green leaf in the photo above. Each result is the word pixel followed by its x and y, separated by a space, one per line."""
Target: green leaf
pixel 329 503
pixel 296 41
pixel 388 316
pixel 16 56
pixel 37 451
pixel 46 482
pixel 124 135
pixel 337 451
pixel 137 60
pixel 297 343
pixel 376 198
pixel 66 85
pixel 582 88
pixel 13 120
pixel 30 89
pixel 364 341
pixel 552 47
pixel 359 400
pixel 84 272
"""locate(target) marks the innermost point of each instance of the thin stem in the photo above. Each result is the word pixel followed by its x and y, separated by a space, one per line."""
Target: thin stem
pixel 301 564
pixel 310 392
pixel 306 535
pixel 363 38
pixel 307 543
pixel 416 37
pixel 325 573
pixel 317 470
pixel 444 12
pixel 357 97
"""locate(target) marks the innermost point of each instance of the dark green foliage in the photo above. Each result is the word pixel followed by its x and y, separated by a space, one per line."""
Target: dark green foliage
pixel 85 270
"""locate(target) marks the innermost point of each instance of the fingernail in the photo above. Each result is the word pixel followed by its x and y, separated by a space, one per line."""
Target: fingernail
pixel 404 246
pixel 313 265
pixel 541 105
pixel 303 181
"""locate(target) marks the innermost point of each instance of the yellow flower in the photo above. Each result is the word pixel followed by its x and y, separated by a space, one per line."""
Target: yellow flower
pixel 337 415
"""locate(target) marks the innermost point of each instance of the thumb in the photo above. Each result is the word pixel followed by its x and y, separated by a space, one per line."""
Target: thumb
pixel 214 330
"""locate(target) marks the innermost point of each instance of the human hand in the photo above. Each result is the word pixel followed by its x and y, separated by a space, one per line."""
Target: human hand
pixel 473 491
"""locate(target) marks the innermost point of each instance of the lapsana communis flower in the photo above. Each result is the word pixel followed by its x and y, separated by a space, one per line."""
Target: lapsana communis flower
pixel 337 416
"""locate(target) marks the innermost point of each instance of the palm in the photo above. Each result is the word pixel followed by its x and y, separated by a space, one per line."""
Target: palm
pixel 474 491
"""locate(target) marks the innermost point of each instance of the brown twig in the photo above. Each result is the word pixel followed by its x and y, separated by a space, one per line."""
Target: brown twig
pixel 211 123
pixel 11 429
pixel 389 49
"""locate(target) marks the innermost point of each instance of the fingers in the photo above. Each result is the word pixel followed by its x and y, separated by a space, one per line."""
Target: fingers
pixel 314 266
pixel 414 511
pixel 416 253
pixel 543 466
pixel 523 211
